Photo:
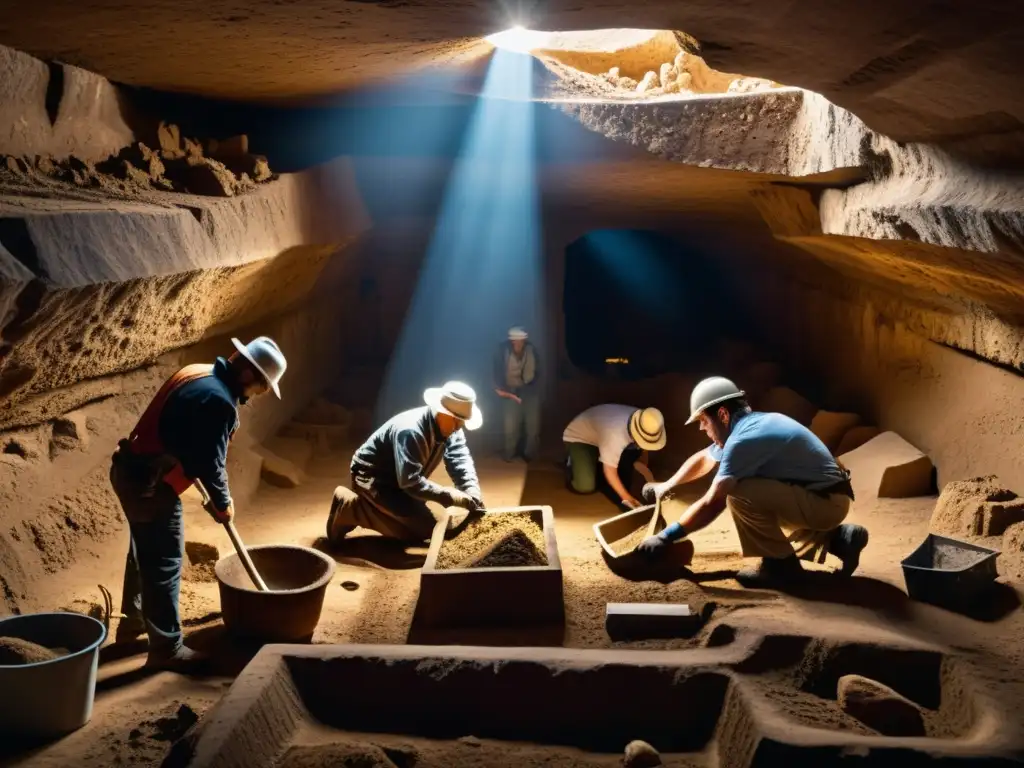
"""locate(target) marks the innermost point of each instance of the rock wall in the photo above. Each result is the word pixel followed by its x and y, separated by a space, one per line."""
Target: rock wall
pixel 856 355
pixel 58 110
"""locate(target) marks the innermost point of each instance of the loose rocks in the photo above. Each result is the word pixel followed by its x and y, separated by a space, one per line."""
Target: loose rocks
pixel 640 754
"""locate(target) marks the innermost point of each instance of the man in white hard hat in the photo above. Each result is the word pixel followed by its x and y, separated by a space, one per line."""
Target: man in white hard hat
pixel 182 437
pixel 618 437
pixel 517 382
pixel 787 494
pixel 391 471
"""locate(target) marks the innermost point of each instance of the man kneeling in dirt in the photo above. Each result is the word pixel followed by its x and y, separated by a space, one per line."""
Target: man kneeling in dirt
pixel 182 436
pixel 390 472
pixel 773 473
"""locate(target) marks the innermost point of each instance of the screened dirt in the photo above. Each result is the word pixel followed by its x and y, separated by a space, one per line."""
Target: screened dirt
pixel 15 651
pixel 501 540
pixel 628 543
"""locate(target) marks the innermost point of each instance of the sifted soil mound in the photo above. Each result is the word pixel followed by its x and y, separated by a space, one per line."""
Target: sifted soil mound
pixel 14 651
pixel 499 540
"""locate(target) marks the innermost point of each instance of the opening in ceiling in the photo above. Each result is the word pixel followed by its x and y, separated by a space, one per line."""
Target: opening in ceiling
pixel 627 63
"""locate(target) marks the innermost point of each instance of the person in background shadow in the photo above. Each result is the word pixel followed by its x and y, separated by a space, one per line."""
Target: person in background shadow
pixel 517 382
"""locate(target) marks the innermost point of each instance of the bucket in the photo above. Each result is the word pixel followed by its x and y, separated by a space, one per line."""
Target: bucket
pixel 48 699
pixel 297 579
pixel 949 573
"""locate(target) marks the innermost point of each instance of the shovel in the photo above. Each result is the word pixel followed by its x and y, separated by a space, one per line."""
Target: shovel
pixel 243 553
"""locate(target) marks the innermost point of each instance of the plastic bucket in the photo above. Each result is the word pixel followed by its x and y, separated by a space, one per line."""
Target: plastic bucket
pixel 949 573
pixel 48 699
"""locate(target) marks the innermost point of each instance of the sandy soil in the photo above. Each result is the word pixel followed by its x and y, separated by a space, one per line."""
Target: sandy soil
pixel 500 540
pixel 373 596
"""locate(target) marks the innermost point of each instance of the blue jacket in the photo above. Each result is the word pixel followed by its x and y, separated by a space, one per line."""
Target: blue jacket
pixel 197 422
pixel 408 448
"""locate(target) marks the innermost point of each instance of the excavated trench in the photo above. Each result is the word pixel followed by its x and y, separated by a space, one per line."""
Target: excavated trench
pixel 835 273
pixel 759 700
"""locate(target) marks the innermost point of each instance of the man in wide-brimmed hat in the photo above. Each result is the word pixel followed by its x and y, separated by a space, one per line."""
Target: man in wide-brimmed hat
pixel 182 437
pixel 618 438
pixel 391 471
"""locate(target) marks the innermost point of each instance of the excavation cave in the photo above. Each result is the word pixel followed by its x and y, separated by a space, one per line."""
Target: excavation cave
pixel 823 204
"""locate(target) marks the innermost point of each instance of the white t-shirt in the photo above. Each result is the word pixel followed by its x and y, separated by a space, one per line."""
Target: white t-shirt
pixel 603 426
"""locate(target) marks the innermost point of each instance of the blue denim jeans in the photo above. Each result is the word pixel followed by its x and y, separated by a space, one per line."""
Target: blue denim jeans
pixel 152 573
pixel 521 422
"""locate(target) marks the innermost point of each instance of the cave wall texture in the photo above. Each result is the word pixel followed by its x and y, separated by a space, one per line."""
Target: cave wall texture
pixel 873 229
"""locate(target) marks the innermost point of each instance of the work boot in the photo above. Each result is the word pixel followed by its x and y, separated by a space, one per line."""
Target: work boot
pixel 129 629
pixel 184 660
pixel 847 542
pixel 335 533
pixel 771 572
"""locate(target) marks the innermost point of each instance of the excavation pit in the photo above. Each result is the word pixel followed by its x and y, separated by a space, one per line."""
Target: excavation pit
pixel 501 570
pixel 470 706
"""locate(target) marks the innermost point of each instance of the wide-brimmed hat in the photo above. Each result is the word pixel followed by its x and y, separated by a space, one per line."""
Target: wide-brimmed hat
pixel 647 428
pixel 458 400
pixel 516 333
pixel 266 357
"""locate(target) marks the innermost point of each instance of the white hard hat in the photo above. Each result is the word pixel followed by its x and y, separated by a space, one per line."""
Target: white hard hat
pixel 712 391
pixel 266 357
pixel 516 333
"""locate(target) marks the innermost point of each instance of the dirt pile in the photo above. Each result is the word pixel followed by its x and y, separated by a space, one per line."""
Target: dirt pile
pixel 629 542
pixel 981 506
pixel 15 651
pixel 503 540
pixel 169 163
pixel 514 549
pixel 201 560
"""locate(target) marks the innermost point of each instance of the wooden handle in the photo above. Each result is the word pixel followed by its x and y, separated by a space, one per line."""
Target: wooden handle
pixel 236 540
pixel 243 555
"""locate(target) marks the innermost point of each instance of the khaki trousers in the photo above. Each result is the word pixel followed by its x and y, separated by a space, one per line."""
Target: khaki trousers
pixel 393 514
pixel 776 519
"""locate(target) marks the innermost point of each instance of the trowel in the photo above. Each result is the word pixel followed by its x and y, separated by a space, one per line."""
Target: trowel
pixel 236 540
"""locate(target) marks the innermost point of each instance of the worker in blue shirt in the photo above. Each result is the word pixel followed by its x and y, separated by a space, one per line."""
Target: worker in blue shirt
pixel 787 495
pixel 182 437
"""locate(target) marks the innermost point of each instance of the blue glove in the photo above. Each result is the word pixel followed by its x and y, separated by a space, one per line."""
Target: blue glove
pixel 652 545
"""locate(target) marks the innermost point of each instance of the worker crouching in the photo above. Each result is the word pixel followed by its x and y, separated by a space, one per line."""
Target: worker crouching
pixel 391 471
pixel 787 495
pixel 182 436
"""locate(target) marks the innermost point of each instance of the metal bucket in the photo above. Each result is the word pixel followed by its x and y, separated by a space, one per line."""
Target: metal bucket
pixel 297 579
pixel 51 698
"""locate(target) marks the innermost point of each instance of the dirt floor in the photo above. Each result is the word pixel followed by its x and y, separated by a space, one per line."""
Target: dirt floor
pixel 372 599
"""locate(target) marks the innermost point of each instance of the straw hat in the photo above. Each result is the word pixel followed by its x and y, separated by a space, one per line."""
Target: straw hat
pixel 647 428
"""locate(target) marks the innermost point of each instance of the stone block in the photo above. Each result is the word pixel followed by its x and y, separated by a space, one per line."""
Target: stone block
pixel 879 707
pixel 642 621
pixel 831 426
pixel 889 467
